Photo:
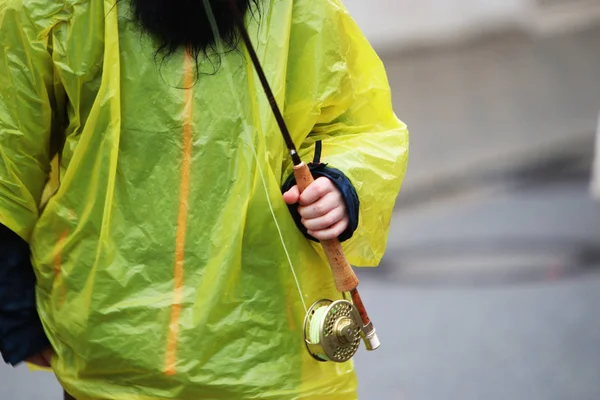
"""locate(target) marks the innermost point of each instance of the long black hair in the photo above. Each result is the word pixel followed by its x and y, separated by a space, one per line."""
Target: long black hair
pixel 177 24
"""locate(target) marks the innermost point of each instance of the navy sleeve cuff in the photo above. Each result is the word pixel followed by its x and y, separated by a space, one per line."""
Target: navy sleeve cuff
pixel 21 331
pixel 343 184
pixel 25 338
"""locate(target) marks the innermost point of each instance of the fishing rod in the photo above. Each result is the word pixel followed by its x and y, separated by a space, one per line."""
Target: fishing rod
pixel 332 329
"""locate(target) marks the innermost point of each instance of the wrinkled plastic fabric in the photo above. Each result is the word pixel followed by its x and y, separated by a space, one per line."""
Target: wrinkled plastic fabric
pixel 161 273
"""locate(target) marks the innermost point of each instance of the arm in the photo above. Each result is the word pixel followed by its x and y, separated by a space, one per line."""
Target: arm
pixel 21 332
pixel 26 115
pixel 338 87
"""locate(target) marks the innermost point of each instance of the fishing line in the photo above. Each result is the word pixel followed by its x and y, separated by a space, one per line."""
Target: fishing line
pixel 239 107
pixel 332 329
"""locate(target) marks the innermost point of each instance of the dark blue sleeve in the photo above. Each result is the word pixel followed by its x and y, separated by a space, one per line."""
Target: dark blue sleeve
pixel 343 184
pixel 21 332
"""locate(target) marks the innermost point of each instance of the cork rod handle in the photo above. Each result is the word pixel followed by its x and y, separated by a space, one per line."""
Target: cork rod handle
pixel 343 274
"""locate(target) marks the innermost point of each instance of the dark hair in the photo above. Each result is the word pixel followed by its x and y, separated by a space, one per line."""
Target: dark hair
pixel 177 24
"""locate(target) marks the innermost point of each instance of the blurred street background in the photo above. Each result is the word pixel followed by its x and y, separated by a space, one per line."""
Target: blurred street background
pixel 490 288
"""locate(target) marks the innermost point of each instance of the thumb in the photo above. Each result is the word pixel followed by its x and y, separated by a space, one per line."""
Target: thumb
pixel 39 360
pixel 292 196
pixel 48 354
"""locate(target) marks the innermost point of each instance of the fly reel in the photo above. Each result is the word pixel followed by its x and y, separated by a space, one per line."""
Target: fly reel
pixel 332 330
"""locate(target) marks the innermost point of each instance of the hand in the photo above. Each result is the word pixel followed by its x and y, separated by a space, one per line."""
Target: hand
pixel 43 358
pixel 321 207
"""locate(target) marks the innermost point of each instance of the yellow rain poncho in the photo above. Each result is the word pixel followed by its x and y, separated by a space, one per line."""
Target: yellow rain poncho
pixel 161 272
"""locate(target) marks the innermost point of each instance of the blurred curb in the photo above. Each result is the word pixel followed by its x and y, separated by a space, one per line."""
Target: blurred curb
pixel 523 160
pixel 491 261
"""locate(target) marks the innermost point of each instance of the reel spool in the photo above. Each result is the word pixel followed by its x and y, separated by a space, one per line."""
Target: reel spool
pixel 332 330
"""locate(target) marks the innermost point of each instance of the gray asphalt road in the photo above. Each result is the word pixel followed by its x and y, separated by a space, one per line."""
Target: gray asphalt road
pixel 497 329
pixel 518 343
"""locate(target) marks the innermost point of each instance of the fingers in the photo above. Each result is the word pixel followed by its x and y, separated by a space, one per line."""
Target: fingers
pixel 292 196
pixel 325 221
pixel 322 206
pixel 42 359
pixel 315 191
pixel 319 188
pixel 39 360
pixel 48 354
pixel 332 232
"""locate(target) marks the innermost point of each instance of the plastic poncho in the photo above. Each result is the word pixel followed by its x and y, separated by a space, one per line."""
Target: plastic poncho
pixel 161 273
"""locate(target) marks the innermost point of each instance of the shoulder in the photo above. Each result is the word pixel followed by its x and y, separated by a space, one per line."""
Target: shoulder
pixel 318 11
pixel 35 17
pixel 326 21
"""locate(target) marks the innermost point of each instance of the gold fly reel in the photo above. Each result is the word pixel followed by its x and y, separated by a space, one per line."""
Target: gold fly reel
pixel 332 330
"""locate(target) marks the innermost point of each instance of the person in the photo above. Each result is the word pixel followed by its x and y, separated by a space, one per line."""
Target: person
pixel 153 242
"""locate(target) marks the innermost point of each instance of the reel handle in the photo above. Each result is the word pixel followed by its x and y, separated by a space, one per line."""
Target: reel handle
pixel 343 274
